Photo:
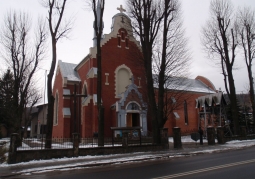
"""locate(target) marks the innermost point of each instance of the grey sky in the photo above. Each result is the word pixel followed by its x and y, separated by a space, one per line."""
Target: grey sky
pixel 195 15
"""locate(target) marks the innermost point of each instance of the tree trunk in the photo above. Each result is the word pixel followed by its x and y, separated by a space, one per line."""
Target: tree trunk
pixel 152 99
pixel 99 96
pixel 233 101
pixel 251 93
pixel 51 98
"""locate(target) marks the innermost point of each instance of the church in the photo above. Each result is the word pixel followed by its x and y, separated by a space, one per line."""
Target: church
pixel 124 94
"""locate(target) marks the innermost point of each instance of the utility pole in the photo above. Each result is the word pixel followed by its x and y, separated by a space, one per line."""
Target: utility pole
pixel 75 96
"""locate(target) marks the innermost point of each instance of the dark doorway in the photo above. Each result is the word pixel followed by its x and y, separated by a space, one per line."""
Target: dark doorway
pixel 135 120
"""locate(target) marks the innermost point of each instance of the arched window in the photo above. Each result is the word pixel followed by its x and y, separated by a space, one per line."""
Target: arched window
pixel 133 106
pixel 84 90
pixel 122 76
pixel 186 112
pixel 55 120
pixel 123 80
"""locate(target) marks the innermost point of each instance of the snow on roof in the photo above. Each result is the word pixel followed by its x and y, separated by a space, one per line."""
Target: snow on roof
pixel 184 84
pixel 173 83
pixel 217 98
pixel 67 70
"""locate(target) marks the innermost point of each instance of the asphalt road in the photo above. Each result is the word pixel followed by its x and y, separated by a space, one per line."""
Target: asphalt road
pixel 233 164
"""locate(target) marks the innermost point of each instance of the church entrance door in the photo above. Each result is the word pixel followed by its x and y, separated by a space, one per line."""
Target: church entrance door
pixel 133 120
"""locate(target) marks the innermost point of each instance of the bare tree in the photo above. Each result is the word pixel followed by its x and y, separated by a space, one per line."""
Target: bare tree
pixel 158 27
pixel 246 34
pixel 56 10
pixel 32 99
pixel 98 11
pixel 147 17
pixel 171 60
pixel 220 41
pixel 22 54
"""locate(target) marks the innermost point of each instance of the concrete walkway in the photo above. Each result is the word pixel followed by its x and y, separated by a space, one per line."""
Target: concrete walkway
pixel 188 149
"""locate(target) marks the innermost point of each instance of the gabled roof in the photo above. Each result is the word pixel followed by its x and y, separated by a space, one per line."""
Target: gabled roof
pixel 67 70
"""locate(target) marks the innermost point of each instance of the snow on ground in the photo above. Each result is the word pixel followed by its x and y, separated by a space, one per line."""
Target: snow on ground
pixel 83 161
pixel 185 139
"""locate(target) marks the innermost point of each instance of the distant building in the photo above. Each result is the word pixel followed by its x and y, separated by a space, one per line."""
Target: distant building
pixel 39 121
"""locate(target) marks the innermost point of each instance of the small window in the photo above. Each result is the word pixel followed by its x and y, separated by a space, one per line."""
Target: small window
pixel 119 41
pixel 127 42
pixel 84 91
pixel 122 36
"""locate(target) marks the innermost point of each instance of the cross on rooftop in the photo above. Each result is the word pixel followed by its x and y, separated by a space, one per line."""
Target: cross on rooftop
pixel 121 9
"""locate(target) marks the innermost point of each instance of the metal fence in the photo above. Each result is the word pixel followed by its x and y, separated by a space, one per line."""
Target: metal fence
pixel 36 144
pixel 90 142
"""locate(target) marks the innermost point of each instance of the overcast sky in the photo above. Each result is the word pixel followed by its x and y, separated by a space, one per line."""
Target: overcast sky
pixel 74 49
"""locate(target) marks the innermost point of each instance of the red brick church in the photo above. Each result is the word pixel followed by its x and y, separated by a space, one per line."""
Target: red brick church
pixel 123 88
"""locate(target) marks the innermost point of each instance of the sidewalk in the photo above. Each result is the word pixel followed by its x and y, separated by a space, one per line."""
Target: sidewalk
pixel 188 149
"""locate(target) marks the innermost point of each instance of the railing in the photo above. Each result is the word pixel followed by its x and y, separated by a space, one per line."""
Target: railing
pixel 90 142
pixel 35 144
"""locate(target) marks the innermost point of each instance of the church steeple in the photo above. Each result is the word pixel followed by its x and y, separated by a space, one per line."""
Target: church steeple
pixel 98 23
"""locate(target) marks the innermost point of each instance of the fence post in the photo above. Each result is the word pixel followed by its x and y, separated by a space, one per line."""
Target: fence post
pixel 75 144
pixel 177 138
pixel 13 149
pixel 220 135
pixel 125 139
pixel 164 138
pixel 243 133
pixel 211 135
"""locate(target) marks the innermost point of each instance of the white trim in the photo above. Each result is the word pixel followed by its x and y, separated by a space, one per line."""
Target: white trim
pixel 106 79
pixel 176 115
pixel 135 103
pixel 92 73
pixel 86 100
pixel 66 112
pixel 139 82
pixel 133 111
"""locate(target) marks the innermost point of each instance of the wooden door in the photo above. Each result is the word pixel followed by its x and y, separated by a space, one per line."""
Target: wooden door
pixel 129 120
